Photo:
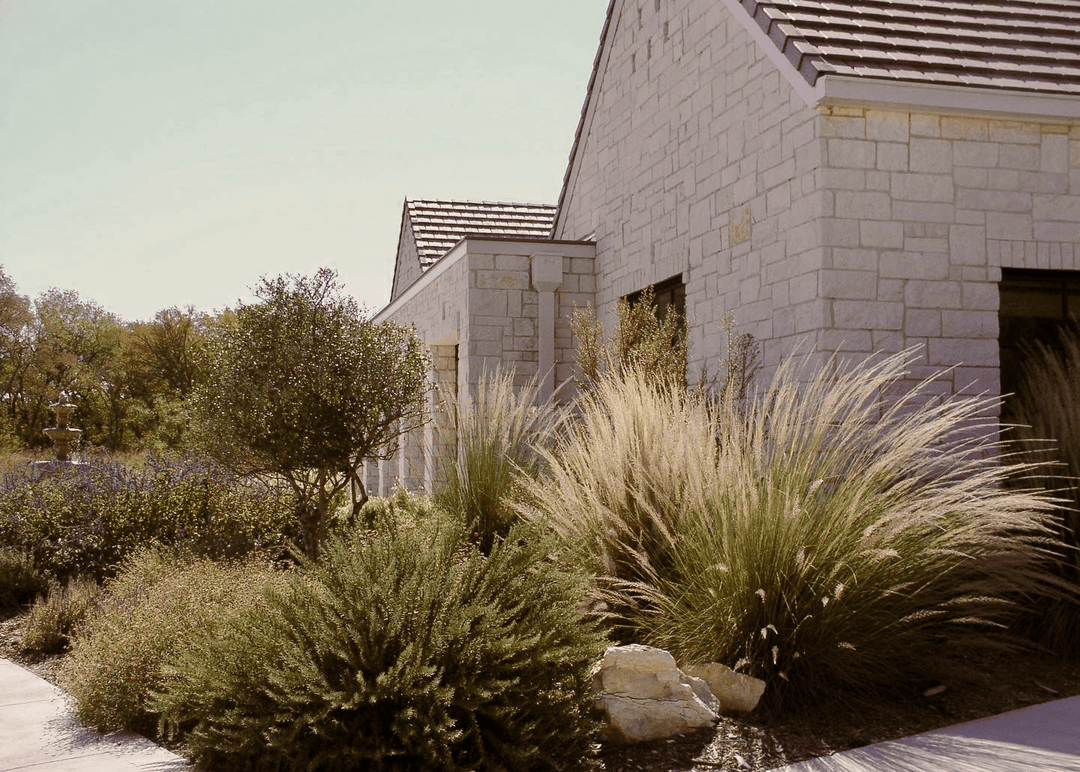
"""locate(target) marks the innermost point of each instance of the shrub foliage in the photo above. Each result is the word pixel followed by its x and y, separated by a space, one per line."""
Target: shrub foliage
pixel 20 580
pixel 817 536
pixel 154 606
pixel 643 340
pixel 401 651
pixel 85 520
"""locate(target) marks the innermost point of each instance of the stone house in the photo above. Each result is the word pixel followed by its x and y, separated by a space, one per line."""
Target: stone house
pixel 854 175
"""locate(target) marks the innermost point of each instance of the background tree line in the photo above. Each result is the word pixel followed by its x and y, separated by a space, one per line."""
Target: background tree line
pixel 130 380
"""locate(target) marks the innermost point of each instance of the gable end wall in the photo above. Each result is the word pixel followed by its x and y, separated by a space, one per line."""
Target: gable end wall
pixel 407 266
pixel 701 160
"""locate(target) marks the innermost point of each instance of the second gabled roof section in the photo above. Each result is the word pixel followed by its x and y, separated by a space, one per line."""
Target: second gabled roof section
pixel 1028 45
pixel 438 225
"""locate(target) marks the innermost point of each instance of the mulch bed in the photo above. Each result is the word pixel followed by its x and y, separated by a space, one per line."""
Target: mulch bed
pixel 1007 681
pixel 761 742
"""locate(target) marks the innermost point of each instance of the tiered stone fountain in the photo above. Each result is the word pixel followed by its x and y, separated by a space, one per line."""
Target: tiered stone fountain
pixel 62 435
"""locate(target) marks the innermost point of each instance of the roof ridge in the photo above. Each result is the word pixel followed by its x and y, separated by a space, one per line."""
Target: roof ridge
pixel 470 202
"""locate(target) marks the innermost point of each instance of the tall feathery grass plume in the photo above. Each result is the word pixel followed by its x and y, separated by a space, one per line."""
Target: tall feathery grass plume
pixel 620 465
pixel 492 448
pixel 1046 412
pixel 818 535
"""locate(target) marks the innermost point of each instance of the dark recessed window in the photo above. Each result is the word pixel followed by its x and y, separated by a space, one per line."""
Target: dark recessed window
pixel 1035 306
pixel 670 293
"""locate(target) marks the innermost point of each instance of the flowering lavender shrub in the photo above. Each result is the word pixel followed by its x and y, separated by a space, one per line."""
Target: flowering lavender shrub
pixel 85 519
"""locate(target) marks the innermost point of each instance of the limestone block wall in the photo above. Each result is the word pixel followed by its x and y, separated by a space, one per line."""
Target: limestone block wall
pixel 479 310
pixel 504 314
pixel 440 433
pixel 850 227
pixel 436 310
pixel 922 211
pixel 698 158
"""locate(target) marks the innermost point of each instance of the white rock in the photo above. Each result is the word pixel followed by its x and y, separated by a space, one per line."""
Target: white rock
pixel 734 691
pixel 646 697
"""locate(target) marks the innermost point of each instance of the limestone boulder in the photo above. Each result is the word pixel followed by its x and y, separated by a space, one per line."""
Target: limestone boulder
pixel 734 691
pixel 644 696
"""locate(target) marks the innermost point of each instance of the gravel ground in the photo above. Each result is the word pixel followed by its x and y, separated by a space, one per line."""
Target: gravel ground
pixel 761 742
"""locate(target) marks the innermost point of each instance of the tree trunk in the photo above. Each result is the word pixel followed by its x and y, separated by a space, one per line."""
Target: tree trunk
pixel 310 528
pixel 356 484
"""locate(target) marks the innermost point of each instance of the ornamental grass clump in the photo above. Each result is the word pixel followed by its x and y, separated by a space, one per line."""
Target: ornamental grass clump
pixel 1046 411
pixel 54 619
pixel 489 451
pixel 817 536
pixel 404 650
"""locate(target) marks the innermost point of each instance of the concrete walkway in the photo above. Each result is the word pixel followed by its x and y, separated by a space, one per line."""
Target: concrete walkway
pixel 39 733
pixel 1043 738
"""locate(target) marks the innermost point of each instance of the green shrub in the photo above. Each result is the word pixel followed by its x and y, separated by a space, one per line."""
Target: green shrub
pixel 1046 408
pixel 86 519
pixel 20 579
pixel 815 536
pixel 401 508
pixel 154 606
pixel 402 651
pixel 644 340
pixel 495 435
pixel 53 620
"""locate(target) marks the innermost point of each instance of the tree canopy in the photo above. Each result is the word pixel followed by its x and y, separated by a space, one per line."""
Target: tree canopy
pixel 304 386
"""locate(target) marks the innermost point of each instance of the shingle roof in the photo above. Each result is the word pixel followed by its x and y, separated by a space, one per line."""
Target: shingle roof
pixel 1030 45
pixel 439 225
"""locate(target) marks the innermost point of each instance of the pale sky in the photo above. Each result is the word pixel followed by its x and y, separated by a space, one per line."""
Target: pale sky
pixel 158 153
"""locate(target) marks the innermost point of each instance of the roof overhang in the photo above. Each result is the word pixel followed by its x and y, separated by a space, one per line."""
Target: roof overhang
pixel 1002 103
pixel 844 90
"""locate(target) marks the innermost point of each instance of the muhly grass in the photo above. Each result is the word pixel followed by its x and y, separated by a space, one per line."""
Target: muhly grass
pixel 816 536
pixel 1046 409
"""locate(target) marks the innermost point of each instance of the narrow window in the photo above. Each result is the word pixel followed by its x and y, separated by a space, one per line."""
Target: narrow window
pixel 667 296
pixel 1035 306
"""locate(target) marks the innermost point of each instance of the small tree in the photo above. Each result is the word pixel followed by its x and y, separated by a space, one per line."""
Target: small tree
pixel 303 386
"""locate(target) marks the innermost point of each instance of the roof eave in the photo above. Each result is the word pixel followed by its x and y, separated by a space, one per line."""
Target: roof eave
pixel 800 68
pixel 1007 104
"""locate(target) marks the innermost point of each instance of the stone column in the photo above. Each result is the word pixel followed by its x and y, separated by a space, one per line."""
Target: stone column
pixel 441 429
pixel 547 272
